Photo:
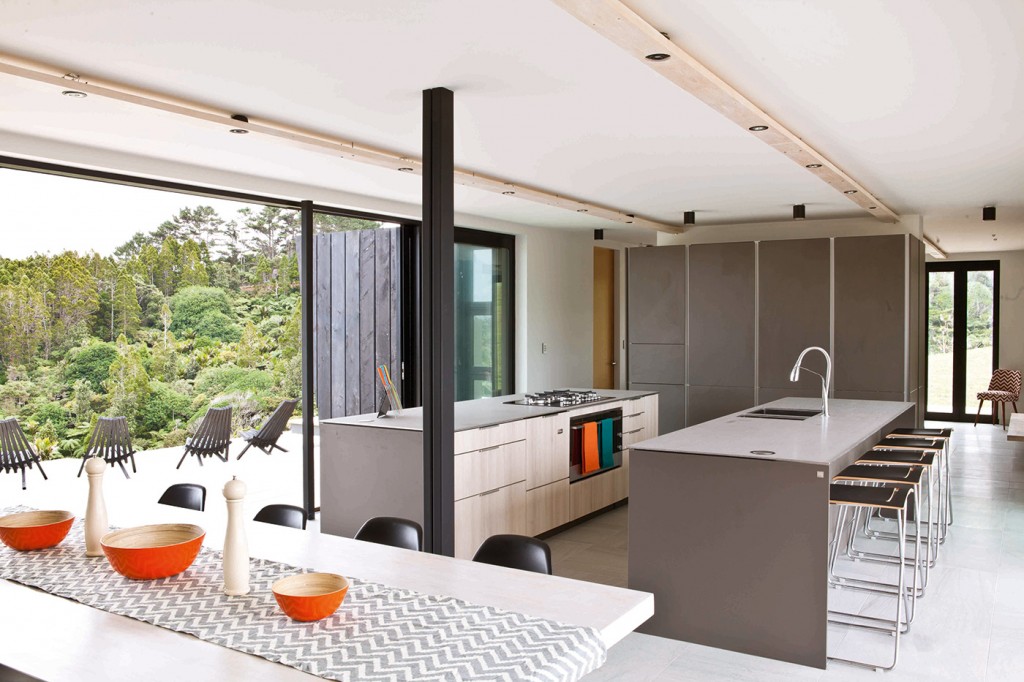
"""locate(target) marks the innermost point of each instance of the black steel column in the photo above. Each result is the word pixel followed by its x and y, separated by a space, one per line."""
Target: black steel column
pixel 306 288
pixel 437 322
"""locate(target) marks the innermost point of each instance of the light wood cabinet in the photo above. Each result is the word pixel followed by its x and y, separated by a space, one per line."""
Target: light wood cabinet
pixel 489 468
pixel 547 449
pixel 488 436
pixel 597 492
pixel 491 513
pixel 547 507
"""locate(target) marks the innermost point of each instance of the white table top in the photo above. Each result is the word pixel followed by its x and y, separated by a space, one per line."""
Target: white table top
pixel 1015 431
pixel 57 639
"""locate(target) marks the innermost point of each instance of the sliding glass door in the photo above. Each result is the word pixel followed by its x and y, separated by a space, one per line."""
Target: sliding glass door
pixel 963 317
pixel 484 305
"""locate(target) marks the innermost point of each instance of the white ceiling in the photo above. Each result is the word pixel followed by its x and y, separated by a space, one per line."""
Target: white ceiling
pixel 918 100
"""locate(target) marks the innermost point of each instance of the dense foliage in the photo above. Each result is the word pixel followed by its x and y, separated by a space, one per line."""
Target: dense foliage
pixel 198 312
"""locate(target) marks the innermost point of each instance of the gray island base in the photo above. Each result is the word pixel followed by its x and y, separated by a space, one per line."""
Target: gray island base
pixel 734 545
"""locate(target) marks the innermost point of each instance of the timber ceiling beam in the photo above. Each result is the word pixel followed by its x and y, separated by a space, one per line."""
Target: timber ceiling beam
pixel 308 140
pixel 624 27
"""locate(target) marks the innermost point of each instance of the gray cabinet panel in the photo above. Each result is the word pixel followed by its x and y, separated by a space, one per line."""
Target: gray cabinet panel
pixel 870 395
pixel 766 395
pixel 721 343
pixel 656 295
pixel 793 310
pixel 657 363
pixel 671 404
pixel 710 402
pixel 870 295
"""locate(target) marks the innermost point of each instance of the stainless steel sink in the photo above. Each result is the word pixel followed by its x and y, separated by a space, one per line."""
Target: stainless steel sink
pixel 789 414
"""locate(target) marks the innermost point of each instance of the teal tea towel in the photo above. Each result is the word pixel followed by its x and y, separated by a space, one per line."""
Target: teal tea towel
pixel 606 447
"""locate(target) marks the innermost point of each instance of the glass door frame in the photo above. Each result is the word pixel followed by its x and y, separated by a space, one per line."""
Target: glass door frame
pixel 960 269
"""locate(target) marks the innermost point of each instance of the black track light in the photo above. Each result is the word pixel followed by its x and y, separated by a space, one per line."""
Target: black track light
pixel 799 211
pixel 689 218
pixel 988 213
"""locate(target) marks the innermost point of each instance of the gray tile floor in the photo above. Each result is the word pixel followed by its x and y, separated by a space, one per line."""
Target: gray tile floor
pixel 970 624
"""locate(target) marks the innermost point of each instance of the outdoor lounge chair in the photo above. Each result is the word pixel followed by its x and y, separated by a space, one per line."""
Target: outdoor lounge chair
pixel 212 437
pixel 266 438
pixel 15 451
pixel 111 441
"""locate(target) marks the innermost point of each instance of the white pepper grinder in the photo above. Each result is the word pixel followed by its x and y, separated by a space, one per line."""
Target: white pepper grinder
pixel 236 547
pixel 96 525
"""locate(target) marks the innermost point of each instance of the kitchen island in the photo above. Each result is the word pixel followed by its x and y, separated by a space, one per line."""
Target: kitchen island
pixel 729 524
pixel 513 472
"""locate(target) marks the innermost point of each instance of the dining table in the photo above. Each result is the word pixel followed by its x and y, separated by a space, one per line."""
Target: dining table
pixel 57 639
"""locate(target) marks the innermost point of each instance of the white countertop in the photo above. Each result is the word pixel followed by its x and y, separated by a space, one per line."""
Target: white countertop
pixel 56 639
pixel 474 414
pixel 816 440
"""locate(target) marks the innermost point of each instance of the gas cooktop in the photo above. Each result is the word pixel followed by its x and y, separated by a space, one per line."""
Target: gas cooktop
pixel 563 397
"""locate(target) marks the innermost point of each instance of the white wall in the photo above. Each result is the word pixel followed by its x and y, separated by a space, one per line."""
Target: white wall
pixel 1011 303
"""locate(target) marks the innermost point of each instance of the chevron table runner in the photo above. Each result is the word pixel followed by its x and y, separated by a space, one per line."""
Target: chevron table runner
pixel 379 633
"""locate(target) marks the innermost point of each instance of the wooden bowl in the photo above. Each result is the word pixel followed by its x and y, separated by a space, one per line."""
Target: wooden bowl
pixel 35 529
pixel 310 596
pixel 150 552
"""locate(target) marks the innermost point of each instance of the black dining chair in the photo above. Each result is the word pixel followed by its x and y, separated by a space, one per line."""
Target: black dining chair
pixel 391 530
pixel 185 495
pixel 283 515
pixel 515 551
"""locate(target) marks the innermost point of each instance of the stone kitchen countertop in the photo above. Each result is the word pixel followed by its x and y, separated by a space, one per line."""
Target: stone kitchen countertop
pixel 816 440
pixel 475 414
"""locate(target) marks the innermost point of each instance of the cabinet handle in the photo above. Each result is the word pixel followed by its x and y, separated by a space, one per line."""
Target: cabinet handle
pixel 492 426
pixel 626 433
pixel 490 492
pixel 493 447
pixel 635 414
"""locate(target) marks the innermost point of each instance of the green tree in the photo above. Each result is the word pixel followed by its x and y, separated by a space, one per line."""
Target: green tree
pixel 90 362
pixel 126 309
pixel 128 383
pixel 272 231
pixel 74 298
pixel 205 311
pixel 252 347
pixel 201 224
pixel 22 323
pixel 191 266
pixel 165 273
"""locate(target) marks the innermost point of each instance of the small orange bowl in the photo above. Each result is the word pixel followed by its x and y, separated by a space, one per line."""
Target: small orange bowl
pixel 26 531
pixel 310 596
pixel 150 552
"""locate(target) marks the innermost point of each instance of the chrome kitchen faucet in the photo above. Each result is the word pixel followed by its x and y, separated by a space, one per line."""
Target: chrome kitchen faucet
pixel 825 380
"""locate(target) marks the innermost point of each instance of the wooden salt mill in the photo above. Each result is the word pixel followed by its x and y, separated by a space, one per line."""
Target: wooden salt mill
pixel 236 547
pixel 96 511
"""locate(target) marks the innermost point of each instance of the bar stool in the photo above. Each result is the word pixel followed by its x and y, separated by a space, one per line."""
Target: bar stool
pixel 946 436
pixel 873 474
pixel 870 498
pixel 939 447
pixel 927 461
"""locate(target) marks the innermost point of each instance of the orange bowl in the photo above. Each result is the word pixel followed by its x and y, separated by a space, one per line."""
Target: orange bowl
pixel 310 596
pixel 35 529
pixel 150 552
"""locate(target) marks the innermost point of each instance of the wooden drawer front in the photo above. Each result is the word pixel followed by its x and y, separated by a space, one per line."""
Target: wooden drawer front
pixel 481 516
pixel 487 436
pixel 547 507
pixel 490 468
pixel 597 492
pixel 633 435
pixel 547 449
pixel 634 414
pixel 591 409
pixel 651 413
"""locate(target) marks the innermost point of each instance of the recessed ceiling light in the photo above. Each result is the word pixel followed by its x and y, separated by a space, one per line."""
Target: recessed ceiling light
pixel 872 208
pixel 813 165
pixel 241 118
pixel 581 210
pixel 406 169
pixel 508 193
pixel 757 129
pixel 74 93
pixel 657 56
pixel 850 191
pixel 239 131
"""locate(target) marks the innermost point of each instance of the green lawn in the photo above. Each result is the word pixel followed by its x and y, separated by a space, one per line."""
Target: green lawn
pixel 940 379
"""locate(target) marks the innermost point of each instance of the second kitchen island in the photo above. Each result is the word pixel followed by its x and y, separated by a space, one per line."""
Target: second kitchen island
pixel 512 466
pixel 729 524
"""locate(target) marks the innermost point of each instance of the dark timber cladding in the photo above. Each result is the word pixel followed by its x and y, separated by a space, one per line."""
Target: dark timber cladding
pixel 306 297
pixel 437 301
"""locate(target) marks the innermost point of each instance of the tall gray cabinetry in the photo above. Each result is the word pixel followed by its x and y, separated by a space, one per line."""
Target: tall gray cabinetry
pixel 656 323
pixel 716 328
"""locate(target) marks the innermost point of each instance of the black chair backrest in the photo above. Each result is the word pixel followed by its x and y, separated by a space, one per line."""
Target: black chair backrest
pixel 185 495
pixel 274 426
pixel 283 515
pixel 515 551
pixel 215 430
pixel 391 530
pixel 15 450
pixel 110 439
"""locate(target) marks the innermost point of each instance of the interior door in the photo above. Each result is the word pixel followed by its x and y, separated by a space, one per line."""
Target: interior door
pixel 963 339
